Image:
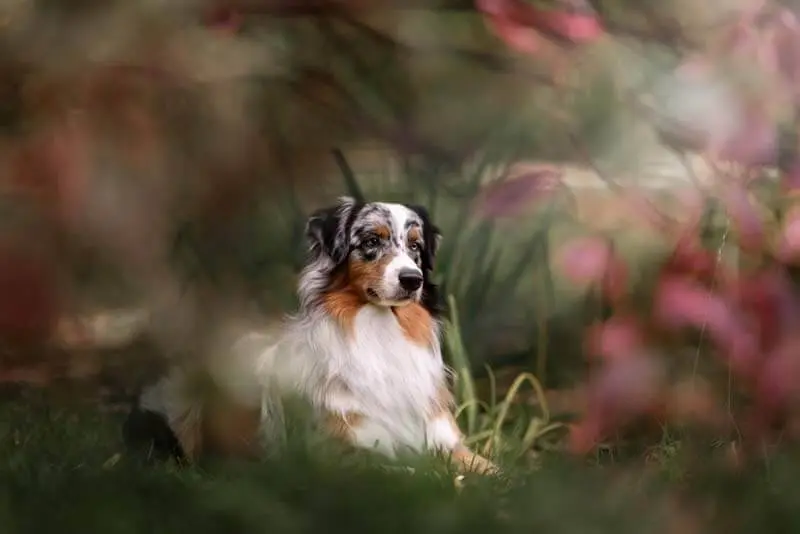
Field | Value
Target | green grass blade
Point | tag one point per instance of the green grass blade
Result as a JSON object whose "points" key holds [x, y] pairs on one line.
{"points": [[465, 390]]}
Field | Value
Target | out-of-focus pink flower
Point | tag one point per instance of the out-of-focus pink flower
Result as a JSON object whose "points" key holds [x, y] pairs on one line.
{"points": [[619, 393], [752, 142], [618, 338], [585, 260], [786, 46], [512, 197], [689, 258], [522, 25], [591, 260], [790, 177], [789, 243], [778, 384], [745, 216], [766, 297], [681, 303]]}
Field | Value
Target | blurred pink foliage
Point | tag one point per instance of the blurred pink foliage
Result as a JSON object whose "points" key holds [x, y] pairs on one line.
{"points": [[746, 317], [518, 194], [524, 26]]}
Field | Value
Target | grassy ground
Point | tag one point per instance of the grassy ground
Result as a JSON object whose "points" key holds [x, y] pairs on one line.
{"points": [[64, 469]]}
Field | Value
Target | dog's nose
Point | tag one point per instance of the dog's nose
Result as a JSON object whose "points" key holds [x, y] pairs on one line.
{"points": [[410, 279]]}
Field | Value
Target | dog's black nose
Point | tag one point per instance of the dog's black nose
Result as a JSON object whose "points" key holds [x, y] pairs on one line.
{"points": [[410, 279]]}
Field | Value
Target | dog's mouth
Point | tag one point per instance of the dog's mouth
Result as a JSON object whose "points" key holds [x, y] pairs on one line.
{"points": [[400, 299]]}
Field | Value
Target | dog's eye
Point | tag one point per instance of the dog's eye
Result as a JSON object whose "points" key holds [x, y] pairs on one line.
{"points": [[372, 242], [414, 246]]}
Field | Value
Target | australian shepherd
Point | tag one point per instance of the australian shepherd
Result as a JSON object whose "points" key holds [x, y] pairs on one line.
{"points": [[363, 350]]}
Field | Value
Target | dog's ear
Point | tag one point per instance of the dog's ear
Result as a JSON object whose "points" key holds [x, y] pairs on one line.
{"points": [[326, 230], [431, 235]]}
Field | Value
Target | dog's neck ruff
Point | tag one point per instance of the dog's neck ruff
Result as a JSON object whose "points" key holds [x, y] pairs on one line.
{"points": [[370, 367]]}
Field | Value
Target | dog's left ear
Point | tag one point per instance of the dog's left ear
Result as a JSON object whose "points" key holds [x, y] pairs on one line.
{"points": [[430, 234], [326, 230]]}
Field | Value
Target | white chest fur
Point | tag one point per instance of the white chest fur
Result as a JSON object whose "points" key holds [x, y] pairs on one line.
{"points": [[372, 370]]}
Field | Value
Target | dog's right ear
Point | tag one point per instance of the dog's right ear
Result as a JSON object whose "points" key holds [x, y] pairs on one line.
{"points": [[326, 230]]}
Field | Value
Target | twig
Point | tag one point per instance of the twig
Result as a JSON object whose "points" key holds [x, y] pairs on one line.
{"points": [[349, 176]]}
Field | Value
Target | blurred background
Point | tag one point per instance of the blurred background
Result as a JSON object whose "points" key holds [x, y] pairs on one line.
{"points": [[614, 180]]}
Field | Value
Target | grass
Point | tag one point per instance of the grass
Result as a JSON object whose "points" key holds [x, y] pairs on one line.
{"points": [[65, 469]]}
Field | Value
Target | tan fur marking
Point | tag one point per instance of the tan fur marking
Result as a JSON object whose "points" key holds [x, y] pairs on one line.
{"points": [[363, 275], [341, 426], [343, 305], [466, 461], [414, 234], [348, 292], [382, 231], [188, 428], [230, 429], [464, 458], [416, 323]]}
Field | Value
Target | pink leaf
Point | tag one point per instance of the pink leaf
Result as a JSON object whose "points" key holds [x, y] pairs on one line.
{"points": [[591, 260], [519, 38], [790, 177], [511, 197], [690, 258], [585, 260], [618, 338], [681, 303], [752, 142], [619, 393], [786, 43], [745, 217], [778, 384], [789, 244], [766, 297]]}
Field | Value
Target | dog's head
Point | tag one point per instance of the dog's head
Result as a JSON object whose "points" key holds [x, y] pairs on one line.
{"points": [[385, 252]]}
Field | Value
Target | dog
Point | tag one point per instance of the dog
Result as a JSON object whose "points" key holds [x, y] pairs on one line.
{"points": [[363, 350]]}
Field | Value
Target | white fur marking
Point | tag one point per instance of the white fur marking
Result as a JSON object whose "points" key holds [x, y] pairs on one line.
{"points": [[376, 373], [442, 435]]}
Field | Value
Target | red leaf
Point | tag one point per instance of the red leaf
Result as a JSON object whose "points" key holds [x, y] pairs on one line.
{"points": [[29, 303], [511, 197], [572, 21]]}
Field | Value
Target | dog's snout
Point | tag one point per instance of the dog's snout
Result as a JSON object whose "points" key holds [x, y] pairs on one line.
{"points": [[410, 279]]}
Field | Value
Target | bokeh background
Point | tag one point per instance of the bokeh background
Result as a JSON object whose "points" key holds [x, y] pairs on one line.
{"points": [[614, 180]]}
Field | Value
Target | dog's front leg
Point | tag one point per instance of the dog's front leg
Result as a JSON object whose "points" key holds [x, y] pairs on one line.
{"points": [[359, 431], [444, 436]]}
